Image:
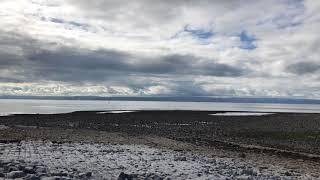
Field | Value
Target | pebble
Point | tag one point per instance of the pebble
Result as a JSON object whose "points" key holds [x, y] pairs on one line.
{"points": [[50, 178], [155, 177], [124, 176], [89, 174], [40, 169], [85, 175], [134, 162], [32, 177], [183, 158], [15, 174], [249, 171], [242, 155], [61, 173], [29, 170], [13, 168], [287, 173]]}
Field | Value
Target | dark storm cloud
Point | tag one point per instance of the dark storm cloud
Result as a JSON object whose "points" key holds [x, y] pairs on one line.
{"points": [[29, 60], [70, 65], [302, 68]]}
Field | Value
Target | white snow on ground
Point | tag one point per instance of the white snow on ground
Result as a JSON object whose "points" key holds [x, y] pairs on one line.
{"points": [[108, 161], [114, 112], [240, 114]]}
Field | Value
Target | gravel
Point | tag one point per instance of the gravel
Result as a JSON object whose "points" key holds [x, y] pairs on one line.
{"points": [[47, 160]]}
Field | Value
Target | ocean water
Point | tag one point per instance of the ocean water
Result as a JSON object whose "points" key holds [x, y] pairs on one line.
{"points": [[8, 106]]}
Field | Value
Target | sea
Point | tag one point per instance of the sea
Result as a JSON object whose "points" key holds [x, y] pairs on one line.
{"points": [[21, 106]]}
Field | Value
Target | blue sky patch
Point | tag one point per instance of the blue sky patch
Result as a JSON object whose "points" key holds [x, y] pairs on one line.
{"points": [[247, 41], [198, 33], [61, 21], [57, 20]]}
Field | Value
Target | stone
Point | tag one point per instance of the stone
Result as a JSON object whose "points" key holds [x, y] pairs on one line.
{"points": [[249, 171], [29, 170], [89, 174], [182, 158], [64, 178], [153, 177], [243, 177], [61, 173], [13, 168], [287, 173], [41, 169], [263, 167], [21, 161], [42, 175], [85, 175], [156, 177], [5, 162], [32, 177], [50, 178], [82, 175], [16, 174], [20, 167], [124, 176], [53, 178], [242, 155]]}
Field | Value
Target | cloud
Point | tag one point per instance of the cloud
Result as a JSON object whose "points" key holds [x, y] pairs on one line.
{"points": [[302, 68], [77, 65], [181, 47]]}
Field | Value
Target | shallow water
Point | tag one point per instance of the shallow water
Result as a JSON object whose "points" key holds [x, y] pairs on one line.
{"points": [[8, 106]]}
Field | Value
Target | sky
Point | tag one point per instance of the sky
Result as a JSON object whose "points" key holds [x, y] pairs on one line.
{"points": [[238, 48]]}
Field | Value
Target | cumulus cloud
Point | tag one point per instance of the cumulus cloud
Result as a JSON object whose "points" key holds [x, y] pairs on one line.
{"points": [[181, 47]]}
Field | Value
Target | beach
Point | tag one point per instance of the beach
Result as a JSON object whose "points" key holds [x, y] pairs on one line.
{"points": [[161, 144]]}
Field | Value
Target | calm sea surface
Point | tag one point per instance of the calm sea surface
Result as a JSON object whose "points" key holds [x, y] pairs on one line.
{"points": [[63, 106]]}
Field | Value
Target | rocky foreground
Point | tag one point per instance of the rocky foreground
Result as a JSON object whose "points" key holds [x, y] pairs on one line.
{"points": [[47, 160], [287, 131], [160, 145]]}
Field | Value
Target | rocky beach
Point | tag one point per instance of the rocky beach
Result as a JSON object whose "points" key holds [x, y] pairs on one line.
{"points": [[160, 145]]}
